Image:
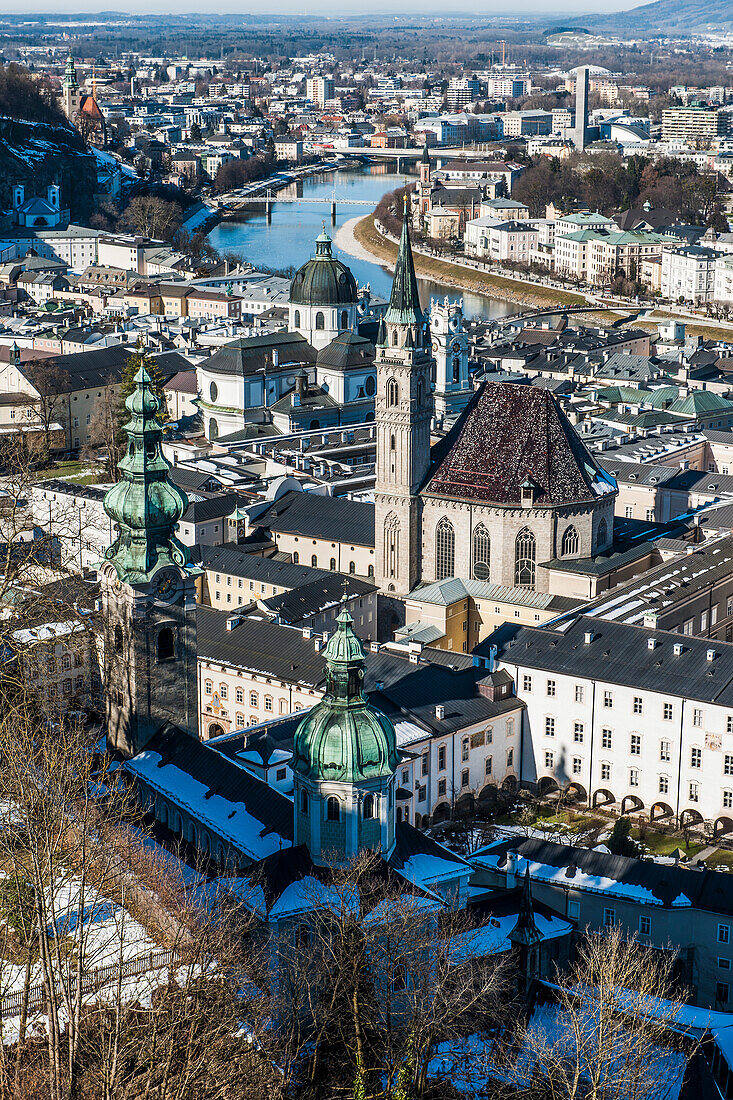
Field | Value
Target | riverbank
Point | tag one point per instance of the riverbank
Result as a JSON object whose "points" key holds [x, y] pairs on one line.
{"points": [[359, 237]]}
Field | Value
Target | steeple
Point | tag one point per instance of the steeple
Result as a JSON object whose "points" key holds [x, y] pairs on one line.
{"points": [[526, 932], [344, 760], [404, 303], [70, 82], [144, 504]]}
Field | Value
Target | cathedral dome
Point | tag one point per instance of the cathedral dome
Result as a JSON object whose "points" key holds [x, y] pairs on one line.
{"points": [[344, 738], [323, 280]]}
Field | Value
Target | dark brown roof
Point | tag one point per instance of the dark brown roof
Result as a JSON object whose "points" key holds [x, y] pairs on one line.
{"points": [[507, 434]]}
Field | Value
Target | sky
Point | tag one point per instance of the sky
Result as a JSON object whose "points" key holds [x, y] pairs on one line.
{"points": [[323, 7]]}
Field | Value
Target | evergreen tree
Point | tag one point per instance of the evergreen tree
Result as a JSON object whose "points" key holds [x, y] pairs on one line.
{"points": [[620, 842]]}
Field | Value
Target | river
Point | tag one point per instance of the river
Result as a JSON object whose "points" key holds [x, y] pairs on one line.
{"points": [[288, 240]]}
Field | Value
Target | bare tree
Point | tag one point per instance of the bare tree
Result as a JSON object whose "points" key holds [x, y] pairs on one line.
{"points": [[51, 382], [611, 1032]]}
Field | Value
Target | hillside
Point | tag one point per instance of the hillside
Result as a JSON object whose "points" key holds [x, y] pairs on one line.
{"points": [[39, 147], [670, 16], [37, 154]]}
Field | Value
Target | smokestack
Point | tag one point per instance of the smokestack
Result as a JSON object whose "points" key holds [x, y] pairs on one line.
{"points": [[582, 82]]}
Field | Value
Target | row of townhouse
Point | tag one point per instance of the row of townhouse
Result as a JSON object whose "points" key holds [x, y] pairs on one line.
{"points": [[631, 718], [458, 729]]}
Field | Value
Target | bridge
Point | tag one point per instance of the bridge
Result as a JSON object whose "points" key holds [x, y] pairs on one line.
{"points": [[233, 202]]}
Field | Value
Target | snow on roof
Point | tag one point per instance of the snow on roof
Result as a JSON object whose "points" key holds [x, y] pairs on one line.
{"points": [[579, 880], [46, 631], [407, 732], [427, 870], [229, 820]]}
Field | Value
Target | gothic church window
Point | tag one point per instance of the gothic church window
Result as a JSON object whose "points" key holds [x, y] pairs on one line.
{"points": [[445, 549], [481, 553], [166, 646], [393, 392], [119, 640], [525, 552], [570, 541], [391, 545], [602, 535]]}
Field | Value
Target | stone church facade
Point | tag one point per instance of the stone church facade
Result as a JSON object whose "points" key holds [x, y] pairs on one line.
{"points": [[509, 491]]}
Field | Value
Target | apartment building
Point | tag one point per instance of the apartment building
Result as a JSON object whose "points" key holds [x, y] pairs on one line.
{"points": [[723, 280], [695, 126], [634, 719], [500, 241], [688, 273]]}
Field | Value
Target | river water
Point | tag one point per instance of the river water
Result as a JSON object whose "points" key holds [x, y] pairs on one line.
{"points": [[288, 240]]}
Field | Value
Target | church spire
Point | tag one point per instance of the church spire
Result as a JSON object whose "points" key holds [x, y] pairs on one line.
{"points": [[144, 504], [404, 303], [525, 932]]}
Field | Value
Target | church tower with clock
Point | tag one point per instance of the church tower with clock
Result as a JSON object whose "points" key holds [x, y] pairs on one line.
{"points": [[148, 591]]}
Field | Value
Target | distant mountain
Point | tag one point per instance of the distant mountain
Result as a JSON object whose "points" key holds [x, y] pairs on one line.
{"points": [[670, 16]]}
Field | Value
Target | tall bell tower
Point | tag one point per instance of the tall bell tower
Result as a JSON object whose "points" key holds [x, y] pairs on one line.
{"points": [[403, 408], [148, 591], [450, 352]]}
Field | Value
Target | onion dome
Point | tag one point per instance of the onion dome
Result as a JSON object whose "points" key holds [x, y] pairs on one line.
{"points": [[323, 280], [343, 737], [144, 505]]}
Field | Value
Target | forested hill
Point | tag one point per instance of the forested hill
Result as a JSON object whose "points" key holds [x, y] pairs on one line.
{"points": [[39, 147], [680, 16]]}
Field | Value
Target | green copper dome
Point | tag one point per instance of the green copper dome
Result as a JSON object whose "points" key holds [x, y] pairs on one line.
{"points": [[144, 505], [344, 737], [323, 280]]}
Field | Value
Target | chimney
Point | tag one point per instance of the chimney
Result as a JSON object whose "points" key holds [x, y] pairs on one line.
{"points": [[588, 637], [651, 643], [379, 685], [711, 654], [440, 712], [232, 621], [677, 649]]}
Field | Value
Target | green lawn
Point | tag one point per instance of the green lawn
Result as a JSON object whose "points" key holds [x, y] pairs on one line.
{"points": [[75, 470], [659, 844], [721, 860]]}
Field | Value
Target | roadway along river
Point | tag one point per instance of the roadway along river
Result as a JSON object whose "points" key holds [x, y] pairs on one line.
{"points": [[288, 240]]}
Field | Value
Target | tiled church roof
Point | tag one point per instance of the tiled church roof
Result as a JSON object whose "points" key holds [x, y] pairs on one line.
{"points": [[507, 434]]}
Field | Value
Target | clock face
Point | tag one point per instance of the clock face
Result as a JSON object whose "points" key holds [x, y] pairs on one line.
{"points": [[166, 585]]}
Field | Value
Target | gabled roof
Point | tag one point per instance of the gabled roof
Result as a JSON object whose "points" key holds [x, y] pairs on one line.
{"points": [[506, 434], [247, 356], [337, 519], [346, 350]]}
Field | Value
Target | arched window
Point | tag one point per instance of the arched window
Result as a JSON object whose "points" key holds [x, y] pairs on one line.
{"points": [[445, 549], [333, 812], [602, 534], [370, 572], [525, 550], [394, 338], [213, 429], [344, 319], [304, 802], [393, 392], [420, 391], [332, 564], [391, 545], [481, 553], [570, 541], [369, 807], [296, 558], [456, 369], [352, 568], [320, 320], [314, 561], [119, 639], [208, 687], [296, 318], [166, 645]]}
